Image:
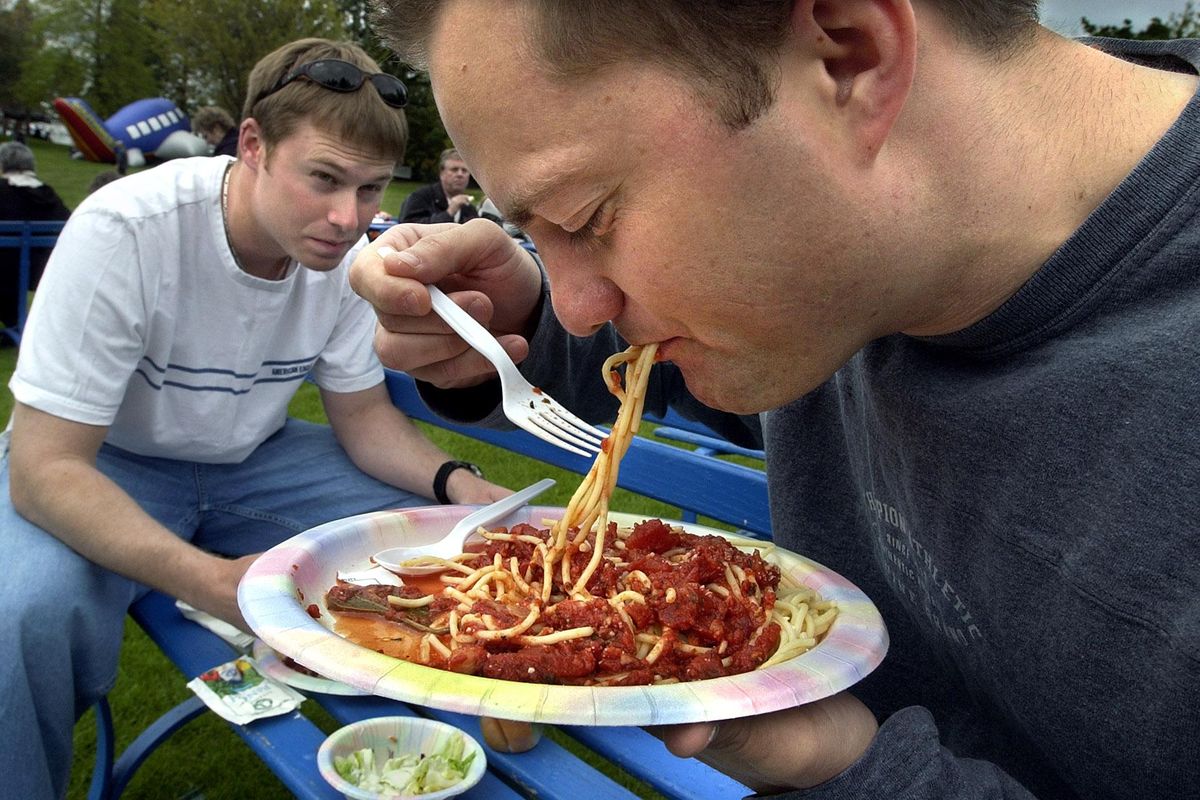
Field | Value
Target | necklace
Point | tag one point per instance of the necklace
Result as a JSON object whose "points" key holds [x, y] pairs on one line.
{"points": [[282, 269], [225, 216]]}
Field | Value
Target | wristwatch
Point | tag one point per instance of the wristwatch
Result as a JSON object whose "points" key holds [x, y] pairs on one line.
{"points": [[443, 475]]}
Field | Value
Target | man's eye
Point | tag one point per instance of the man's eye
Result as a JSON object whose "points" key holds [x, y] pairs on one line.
{"points": [[590, 231]]}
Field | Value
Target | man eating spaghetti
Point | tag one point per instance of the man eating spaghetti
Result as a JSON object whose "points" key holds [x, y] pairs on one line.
{"points": [[948, 257]]}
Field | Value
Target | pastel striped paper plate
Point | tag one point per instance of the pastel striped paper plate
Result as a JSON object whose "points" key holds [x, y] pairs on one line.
{"points": [[282, 599]]}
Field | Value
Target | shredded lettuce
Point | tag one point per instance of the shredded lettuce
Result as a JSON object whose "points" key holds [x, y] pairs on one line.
{"points": [[408, 773]]}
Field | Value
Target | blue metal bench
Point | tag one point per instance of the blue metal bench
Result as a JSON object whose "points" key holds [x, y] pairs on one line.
{"points": [[731, 493], [26, 236]]}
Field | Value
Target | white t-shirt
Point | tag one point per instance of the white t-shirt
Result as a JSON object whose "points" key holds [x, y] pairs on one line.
{"points": [[144, 323]]}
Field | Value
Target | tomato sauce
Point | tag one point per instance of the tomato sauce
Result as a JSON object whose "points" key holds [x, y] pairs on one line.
{"points": [[692, 624]]}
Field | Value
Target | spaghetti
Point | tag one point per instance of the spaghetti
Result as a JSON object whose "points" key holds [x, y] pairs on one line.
{"points": [[585, 602]]}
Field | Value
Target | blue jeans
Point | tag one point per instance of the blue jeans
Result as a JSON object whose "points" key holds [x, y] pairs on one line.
{"points": [[62, 617]]}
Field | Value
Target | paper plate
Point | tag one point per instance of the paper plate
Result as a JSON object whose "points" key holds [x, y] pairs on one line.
{"points": [[273, 666], [282, 599]]}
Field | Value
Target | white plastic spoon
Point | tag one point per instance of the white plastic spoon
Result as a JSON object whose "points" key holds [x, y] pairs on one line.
{"points": [[451, 544]]}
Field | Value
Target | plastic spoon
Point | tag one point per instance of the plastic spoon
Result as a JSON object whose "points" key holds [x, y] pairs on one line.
{"points": [[451, 544]]}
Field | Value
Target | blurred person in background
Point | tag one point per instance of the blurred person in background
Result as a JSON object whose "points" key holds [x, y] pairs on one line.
{"points": [[446, 199], [23, 197], [216, 126]]}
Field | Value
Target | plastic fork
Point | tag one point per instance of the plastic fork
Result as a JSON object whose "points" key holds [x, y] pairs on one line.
{"points": [[396, 559], [388, 564], [526, 407]]}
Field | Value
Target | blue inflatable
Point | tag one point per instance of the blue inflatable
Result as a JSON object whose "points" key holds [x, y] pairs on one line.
{"points": [[153, 127]]}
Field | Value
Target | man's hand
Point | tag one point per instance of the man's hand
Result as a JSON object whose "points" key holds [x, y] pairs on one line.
{"points": [[458, 202], [216, 594], [507, 736], [482, 269], [465, 487], [792, 749]]}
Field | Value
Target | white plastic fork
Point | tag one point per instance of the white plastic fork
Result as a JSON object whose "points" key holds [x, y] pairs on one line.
{"points": [[526, 407], [395, 559]]}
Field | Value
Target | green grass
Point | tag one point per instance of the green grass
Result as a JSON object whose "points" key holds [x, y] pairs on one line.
{"points": [[205, 758]]}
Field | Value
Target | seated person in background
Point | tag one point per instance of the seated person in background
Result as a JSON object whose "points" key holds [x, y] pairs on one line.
{"points": [[216, 126], [447, 199], [23, 196], [103, 179], [180, 313]]}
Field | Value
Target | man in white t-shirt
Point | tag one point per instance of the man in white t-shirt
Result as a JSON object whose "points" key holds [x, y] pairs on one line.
{"points": [[180, 311]]}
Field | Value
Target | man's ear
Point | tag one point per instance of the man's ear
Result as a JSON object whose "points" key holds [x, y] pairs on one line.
{"points": [[252, 150], [869, 52]]}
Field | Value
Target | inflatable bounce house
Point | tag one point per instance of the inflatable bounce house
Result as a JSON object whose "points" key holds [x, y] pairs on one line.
{"points": [[150, 128]]}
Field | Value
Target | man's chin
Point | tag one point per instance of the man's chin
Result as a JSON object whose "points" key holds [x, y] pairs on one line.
{"points": [[719, 393], [323, 258]]}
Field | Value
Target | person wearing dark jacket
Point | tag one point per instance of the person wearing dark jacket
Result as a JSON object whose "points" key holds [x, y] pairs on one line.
{"points": [[445, 200], [216, 126], [23, 196]]}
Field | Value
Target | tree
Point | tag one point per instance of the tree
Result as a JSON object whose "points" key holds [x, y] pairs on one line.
{"points": [[52, 53], [213, 44], [426, 135], [125, 57], [17, 40], [1184, 24]]}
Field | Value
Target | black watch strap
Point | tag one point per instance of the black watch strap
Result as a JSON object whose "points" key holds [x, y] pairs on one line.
{"points": [[443, 475]]}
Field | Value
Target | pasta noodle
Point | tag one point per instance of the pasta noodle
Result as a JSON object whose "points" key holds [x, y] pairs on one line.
{"points": [[585, 602]]}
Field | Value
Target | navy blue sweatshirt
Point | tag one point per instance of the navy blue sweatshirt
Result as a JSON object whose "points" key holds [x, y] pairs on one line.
{"points": [[1021, 499]]}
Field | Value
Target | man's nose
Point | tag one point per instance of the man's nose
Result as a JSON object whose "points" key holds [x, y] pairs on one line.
{"points": [[343, 210], [583, 300]]}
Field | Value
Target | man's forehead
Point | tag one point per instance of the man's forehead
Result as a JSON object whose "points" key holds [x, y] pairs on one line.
{"points": [[346, 162]]}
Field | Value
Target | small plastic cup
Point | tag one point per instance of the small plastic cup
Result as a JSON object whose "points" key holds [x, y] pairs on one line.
{"points": [[393, 736]]}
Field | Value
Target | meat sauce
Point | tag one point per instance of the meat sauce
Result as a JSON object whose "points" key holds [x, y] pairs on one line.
{"points": [[704, 633]]}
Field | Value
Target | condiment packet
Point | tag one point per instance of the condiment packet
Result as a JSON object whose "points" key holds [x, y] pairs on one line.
{"points": [[238, 692], [238, 639]]}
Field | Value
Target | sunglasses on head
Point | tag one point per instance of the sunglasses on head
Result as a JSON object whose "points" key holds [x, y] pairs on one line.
{"points": [[342, 76]]}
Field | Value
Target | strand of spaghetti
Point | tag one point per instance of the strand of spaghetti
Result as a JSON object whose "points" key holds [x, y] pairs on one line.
{"points": [[407, 602], [515, 630], [612, 377], [624, 615], [548, 557], [512, 537], [558, 636], [656, 651], [437, 561], [462, 597], [607, 464], [571, 517], [466, 583], [514, 569], [436, 644]]}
